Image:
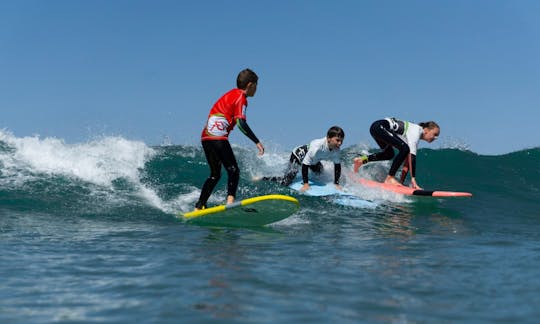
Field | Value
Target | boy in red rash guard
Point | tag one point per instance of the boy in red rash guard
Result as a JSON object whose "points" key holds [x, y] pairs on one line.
{"points": [[227, 112]]}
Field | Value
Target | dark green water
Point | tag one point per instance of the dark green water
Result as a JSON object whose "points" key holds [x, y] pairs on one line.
{"points": [[88, 233]]}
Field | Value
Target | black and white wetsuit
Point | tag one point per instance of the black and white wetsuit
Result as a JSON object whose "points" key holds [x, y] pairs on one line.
{"points": [[310, 157], [403, 135]]}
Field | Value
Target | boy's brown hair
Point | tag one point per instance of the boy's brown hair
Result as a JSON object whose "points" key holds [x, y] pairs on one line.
{"points": [[245, 77], [335, 131]]}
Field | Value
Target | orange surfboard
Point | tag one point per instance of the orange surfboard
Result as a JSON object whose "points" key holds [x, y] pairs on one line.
{"points": [[401, 189]]}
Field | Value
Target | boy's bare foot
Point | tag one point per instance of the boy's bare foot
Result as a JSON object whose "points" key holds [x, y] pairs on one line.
{"points": [[391, 180], [358, 162]]}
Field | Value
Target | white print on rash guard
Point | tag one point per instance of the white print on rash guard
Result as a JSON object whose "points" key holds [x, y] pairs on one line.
{"points": [[407, 131], [217, 126]]}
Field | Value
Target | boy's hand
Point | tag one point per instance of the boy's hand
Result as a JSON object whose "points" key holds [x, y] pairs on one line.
{"points": [[261, 148]]}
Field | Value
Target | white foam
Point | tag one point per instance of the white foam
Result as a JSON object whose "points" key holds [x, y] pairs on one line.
{"points": [[184, 202], [293, 220], [454, 143], [272, 163], [372, 171], [99, 162]]}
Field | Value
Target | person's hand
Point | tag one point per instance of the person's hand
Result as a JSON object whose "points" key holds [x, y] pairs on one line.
{"points": [[304, 187], [261, 148]]}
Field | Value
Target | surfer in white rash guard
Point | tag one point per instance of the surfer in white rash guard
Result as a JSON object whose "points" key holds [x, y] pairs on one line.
{"points": [[404, 136], [310, 157]]}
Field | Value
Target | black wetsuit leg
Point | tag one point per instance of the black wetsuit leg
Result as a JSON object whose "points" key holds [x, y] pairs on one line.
{"points": [[295, 161], [291, 172], [387, 140], [219, 153]]}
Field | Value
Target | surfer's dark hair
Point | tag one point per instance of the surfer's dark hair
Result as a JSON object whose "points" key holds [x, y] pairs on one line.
{"points": [[335, 131], [245, 77], [429, 125]]}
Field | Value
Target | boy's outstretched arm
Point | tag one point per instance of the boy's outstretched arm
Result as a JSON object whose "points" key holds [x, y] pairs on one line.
{"points": [[244, 128]]}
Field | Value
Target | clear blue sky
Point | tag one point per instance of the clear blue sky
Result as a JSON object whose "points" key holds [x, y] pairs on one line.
{"points": [[147, 70]]}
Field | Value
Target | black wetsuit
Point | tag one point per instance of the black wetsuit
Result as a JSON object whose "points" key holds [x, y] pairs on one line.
{"points": [[387, 138], [218, 153]]}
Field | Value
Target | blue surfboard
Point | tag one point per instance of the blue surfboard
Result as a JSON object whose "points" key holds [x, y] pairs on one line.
{"points": [[339, 197]]}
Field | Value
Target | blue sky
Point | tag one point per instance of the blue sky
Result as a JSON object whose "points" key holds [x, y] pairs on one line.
{"points": [[150, 70]]}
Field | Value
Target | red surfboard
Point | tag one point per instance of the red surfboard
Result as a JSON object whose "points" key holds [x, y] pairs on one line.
{"points": [[410, 191]]}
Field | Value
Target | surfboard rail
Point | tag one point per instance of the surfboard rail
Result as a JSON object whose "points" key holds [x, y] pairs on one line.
{"points": [[401, 189], [255, 211]]}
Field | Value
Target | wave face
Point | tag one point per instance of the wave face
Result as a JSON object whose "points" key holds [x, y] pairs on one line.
{"points": [[112, 172]]}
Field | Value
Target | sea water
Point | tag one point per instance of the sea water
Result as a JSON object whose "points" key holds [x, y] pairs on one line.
{"points": [[89, 233]]}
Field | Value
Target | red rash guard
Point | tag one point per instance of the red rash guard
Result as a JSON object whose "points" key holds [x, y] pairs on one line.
{"points": [[223, 115]]}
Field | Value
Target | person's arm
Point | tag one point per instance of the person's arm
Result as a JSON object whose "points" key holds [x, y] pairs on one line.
{"points": [[337, 174], [305, 179], [405, 169], [413, 172], [244, 128]]}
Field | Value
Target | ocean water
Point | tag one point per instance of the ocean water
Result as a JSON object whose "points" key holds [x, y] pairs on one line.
{"points": [[89, 233]]}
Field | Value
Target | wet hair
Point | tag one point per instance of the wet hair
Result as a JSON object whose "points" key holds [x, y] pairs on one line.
{"points": [[429, 125], [335, 131], [245, 77]]}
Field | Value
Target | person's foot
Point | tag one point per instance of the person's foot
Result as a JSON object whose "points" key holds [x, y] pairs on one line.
{"points": [[393, 181], [358, 162]]}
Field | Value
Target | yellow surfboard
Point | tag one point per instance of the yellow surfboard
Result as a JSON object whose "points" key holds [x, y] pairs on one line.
{"points": [[251, 212]]}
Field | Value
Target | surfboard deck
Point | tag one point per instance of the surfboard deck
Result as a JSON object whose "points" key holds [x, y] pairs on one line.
{"points": [[251, 212], [404, 190], [317, 189]]}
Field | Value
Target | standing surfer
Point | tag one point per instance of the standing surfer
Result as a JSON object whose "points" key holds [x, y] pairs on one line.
{"points": [[227, 112]]}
